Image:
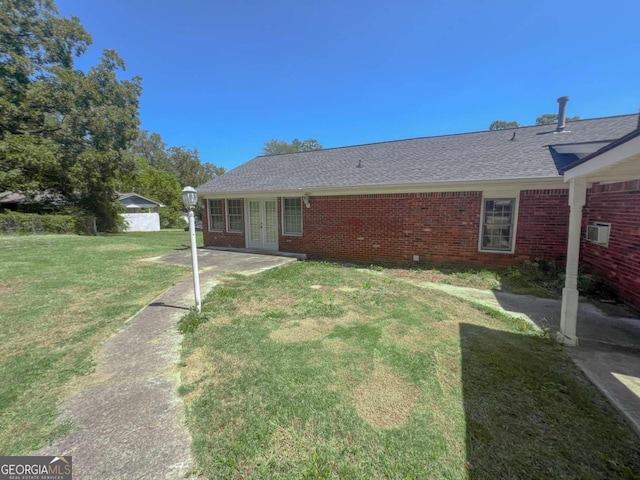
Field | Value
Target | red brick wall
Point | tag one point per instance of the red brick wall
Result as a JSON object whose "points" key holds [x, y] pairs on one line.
{"points": [[444, 228], [543, 224], [618, 264], [224, 238], [439, 227]]}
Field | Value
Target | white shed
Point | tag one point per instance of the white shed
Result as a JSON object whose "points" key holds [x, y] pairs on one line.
{"points": [[142, 213]]}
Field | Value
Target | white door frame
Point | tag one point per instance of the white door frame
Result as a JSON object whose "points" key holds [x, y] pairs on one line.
{"points": [[263, 244]]}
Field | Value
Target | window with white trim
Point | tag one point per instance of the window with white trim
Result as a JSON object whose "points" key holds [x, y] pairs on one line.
{"points": [[497, 227], [216, 216], [292, 216], [235, 222]]}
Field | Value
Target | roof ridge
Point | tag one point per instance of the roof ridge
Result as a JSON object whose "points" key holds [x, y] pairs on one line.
{"points": [[447, 135]]}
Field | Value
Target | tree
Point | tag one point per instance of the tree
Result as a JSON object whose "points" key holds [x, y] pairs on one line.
{"points": [[189, 168], [550, 118], [62, 130], [158, 185], [544, 119], [503, 125], [275, 146], [179, 163], [153, 149]]}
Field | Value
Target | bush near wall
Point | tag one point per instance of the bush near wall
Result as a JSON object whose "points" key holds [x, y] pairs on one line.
{"points": [[33, 223]]}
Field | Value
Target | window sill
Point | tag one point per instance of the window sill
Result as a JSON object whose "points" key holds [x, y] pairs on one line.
{"points": [[497, 251]]}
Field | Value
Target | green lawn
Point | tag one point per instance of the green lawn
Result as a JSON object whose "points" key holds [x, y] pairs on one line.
{"points": [[60, 298], [319, 371]]}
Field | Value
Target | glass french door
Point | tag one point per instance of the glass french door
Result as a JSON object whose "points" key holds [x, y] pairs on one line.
{"points": [[263, 224]]}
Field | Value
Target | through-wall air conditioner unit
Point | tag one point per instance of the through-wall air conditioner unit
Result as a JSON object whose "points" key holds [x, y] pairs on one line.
{"points": [[599, 233]]}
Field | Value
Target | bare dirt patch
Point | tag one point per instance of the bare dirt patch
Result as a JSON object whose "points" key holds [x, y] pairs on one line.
{"points": [[385, 399]]}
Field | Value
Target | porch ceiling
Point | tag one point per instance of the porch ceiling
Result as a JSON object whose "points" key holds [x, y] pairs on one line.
{"points": [[623, 171], [619, 161]]}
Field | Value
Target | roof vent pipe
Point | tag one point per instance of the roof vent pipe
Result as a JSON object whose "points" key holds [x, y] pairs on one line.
{"points": [[562, 113]]}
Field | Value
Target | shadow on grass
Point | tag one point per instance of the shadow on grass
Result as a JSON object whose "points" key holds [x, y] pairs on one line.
{"points": [[530, 413]]}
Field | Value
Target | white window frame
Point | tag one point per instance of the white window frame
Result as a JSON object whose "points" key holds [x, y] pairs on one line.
{"points": [[211, 215], [284, 232], [237, 214], [485, 198]]}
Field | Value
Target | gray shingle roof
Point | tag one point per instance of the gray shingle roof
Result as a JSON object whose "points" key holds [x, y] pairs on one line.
{"points": [[132, 200], [478, 156]]}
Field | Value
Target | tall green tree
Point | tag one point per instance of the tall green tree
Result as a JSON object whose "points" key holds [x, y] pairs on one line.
{"points": [[153, 149], [189, 168], [275, 146], [62, 130]]}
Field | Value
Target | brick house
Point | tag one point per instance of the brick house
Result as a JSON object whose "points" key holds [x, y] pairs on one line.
{"points": [[490, 198]]}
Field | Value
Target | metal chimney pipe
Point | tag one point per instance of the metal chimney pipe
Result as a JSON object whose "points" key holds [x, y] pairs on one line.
{"points": [[562, 113]]}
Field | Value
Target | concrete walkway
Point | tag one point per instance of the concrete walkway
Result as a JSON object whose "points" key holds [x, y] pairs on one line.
{"points": [[130, 420], [608, 350]]}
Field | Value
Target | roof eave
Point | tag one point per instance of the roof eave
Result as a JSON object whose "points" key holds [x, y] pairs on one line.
{"points": [[453, 186]]}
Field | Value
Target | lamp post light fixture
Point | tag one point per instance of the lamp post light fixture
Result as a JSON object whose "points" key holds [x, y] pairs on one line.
{"points": [[190, 199]]}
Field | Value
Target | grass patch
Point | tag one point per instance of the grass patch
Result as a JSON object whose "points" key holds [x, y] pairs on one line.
{"points": [[62, 296], [540, 278], [314, 370]]}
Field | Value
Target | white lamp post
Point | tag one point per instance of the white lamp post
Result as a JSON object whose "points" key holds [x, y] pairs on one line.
{"points": [[190, 198]]}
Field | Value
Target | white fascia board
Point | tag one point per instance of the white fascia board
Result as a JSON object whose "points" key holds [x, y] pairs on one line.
{"points": [[506, 185], [606, 160], [580, 148]]}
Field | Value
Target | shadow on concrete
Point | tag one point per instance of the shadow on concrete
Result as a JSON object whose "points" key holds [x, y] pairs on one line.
{"points": [[593, 324], [516, 406], [162, 304], [615, 371]]}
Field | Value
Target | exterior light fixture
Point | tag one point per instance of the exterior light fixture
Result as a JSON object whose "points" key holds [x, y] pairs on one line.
{"points": [[305, 200], [190, 199]]}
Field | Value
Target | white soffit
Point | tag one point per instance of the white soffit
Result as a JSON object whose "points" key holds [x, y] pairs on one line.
{"points": [[621, 163]]}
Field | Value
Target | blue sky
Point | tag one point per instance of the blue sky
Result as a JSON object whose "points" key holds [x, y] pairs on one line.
{"points": [[226, 76]]}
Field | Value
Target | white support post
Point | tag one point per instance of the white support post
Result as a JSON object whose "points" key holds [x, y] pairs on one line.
{"points": [[570, 296], [194, 260]]}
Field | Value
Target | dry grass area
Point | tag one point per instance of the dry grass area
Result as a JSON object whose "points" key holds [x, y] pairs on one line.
{"points": [[462, 277], [385, 399], [62, 296], [315, 370]]}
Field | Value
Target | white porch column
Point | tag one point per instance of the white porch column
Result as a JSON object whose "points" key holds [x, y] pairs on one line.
{"points": [[577, 197]]}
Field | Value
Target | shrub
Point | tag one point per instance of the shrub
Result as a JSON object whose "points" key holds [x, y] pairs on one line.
{"points": [[535, 277], [33, 223], [544, 275]]}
